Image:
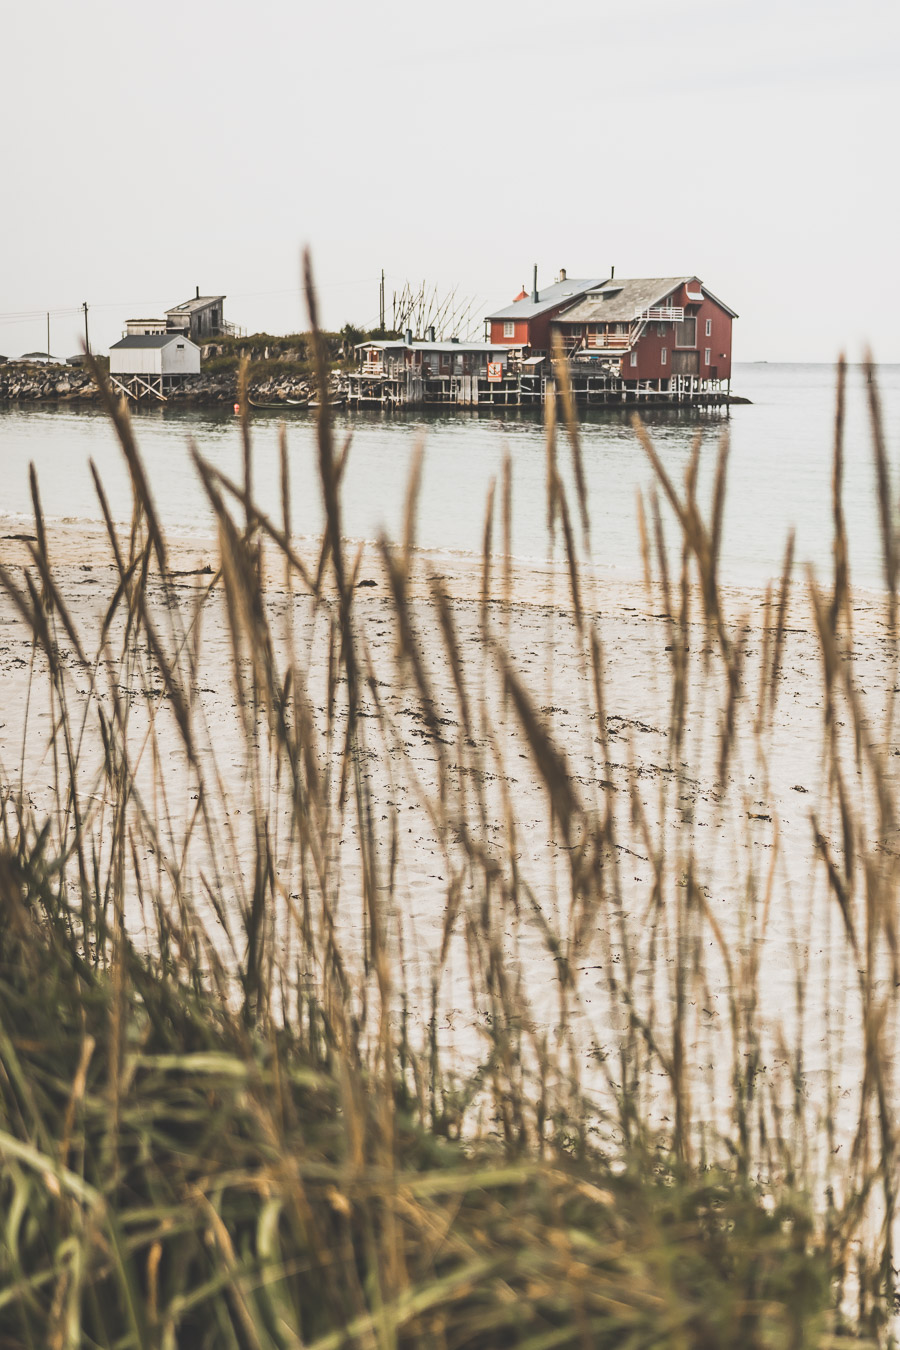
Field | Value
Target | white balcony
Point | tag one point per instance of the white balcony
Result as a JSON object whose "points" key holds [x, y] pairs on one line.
{"points": [[609, 342], [660, 314]]}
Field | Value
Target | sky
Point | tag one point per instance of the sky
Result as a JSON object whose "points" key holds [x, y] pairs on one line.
{"points": [[151, 149]]}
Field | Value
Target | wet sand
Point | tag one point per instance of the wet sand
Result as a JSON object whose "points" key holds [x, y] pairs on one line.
{"points": [[748, 838]]}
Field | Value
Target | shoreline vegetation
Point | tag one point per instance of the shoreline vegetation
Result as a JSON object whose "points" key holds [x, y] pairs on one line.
{"points": [[373, 973]]}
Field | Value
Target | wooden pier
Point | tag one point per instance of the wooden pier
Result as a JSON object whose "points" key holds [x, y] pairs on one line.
{"points": [[524, 388]]}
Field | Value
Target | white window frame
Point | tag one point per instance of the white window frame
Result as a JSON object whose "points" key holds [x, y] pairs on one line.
{"points": [[509, 328], [707, 353], [634, 358], [709, 327], [663, 356]]}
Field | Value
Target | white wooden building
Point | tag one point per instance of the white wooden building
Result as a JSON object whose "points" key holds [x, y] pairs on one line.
{"points": [[146, 365], [143, 327]]}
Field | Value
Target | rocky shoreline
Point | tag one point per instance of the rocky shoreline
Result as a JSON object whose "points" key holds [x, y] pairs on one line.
{"points": [[20, 383], [41, 384]]}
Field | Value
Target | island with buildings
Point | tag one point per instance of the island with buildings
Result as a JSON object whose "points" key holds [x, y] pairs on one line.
{"points": [[613, 340]]}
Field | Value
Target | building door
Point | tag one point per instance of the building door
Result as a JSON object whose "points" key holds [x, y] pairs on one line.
{"points": [[685, 363]]}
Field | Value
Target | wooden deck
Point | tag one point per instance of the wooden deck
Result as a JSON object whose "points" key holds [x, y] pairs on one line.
{"points": [[410, 389]]}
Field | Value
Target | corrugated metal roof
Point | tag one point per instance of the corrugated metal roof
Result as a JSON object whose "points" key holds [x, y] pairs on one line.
{"points": [[548, 297], [149, 340]]}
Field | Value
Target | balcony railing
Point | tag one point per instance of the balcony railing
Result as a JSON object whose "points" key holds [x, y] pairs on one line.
{"points": [[660, 314], [609, 342]]}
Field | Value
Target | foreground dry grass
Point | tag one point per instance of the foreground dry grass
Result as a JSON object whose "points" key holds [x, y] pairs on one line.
{"points": [[598, 1052]]}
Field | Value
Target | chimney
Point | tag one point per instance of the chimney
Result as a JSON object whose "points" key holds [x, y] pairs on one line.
{"points": [[409, 337], [197, 296], [534, 292], [612, 273], [562, 274], [429, 334]]}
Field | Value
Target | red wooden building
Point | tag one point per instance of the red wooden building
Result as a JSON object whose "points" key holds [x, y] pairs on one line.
{"points": [[649, 329], [526, 322]]}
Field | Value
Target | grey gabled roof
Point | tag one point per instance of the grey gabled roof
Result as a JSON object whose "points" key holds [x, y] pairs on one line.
{"points": [[619, 300], [196, 302], [149, 340], [548, 298]]}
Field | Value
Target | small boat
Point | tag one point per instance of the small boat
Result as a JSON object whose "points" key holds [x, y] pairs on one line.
{"points": [[337, 402], [277, 407]]}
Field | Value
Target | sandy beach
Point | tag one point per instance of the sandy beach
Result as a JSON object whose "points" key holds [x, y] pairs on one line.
{"points": [[445, 792]]}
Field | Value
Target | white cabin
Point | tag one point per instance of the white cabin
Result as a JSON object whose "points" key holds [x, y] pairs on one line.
{"points": [[148, 365], [165, 354]]}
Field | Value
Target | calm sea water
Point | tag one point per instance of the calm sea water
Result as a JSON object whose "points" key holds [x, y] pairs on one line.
{"points": [[780, 470]]}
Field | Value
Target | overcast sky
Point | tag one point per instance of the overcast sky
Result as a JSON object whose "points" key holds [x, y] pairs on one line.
{"points": [[151, 148]]}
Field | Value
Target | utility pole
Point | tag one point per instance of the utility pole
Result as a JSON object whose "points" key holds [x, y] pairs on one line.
{"points": [[87, 340], [381, 302], [48, 332]]}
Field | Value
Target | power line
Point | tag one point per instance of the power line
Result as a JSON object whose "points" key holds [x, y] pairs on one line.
{"points": [[61, 311]]}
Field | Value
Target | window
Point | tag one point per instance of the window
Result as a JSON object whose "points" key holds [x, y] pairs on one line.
{"points": [[660, 330], [707, 352], [634, 358], [686, 333], [180, 346], [709, 327], [663, 356], [509, 329]]}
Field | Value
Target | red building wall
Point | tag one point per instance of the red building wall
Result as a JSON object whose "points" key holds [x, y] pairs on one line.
{"points": [[533, 333], [649, 349], [539, 329], [519, 338]]}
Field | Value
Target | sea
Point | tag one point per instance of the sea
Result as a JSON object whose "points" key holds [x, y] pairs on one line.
{"points": [[779, 477]]}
